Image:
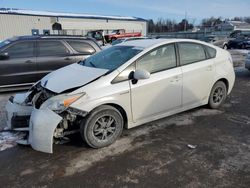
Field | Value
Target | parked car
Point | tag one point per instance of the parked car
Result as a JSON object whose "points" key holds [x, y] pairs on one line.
{"points": [[239, 43], [26, 59], [120, 33], [126, 85], [223, 41], [118, 41], [247, 62]]}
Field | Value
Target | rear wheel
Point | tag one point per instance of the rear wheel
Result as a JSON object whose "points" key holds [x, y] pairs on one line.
{"points": [[102, 127], [218, 95]]}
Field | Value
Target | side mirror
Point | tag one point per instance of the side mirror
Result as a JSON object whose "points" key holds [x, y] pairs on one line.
{"points": [[4, 56], [140, 74]]}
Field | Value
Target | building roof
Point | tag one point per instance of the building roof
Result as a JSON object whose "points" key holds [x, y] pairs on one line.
{"points": [[67, 15], [238, 23]]}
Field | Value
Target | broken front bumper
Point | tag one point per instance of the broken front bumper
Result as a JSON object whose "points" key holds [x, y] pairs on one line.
{"points": [[17, 115], [40, 124], [43, 123]]}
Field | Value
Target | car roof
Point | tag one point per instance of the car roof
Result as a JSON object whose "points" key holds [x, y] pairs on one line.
{"points": [[147, 43], [38, 37]]}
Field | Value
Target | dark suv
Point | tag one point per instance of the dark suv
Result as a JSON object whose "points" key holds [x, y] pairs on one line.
{"points": [[26, 59]]}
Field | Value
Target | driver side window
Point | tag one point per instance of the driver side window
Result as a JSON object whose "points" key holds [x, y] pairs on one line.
{"points": [[160, 59], [20, 50]]}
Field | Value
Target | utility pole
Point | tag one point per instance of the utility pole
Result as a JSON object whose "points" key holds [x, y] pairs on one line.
{"points": [[185, 24]]}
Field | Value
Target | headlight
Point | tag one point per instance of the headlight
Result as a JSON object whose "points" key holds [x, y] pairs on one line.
{"points": [[61, 102]]}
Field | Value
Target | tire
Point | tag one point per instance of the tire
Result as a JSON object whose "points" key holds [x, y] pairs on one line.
{"points": [[218, 95], [96, 129]]}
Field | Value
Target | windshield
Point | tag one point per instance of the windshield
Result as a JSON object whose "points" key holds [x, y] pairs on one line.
{"points": [[4, 43], [111, 58]]}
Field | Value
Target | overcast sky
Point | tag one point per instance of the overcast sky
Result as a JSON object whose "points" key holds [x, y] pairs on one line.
{"points": [[173, 9]]}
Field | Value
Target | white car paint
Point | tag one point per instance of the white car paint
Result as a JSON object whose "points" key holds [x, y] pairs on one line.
{"points": [[164, 93], [71, 76]]}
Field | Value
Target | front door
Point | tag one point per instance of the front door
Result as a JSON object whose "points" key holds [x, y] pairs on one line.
{"points": [[19, 67], [160, 93]]}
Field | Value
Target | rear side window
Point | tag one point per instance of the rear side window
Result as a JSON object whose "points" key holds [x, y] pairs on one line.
{"points": [[21, 50], [211, 52], [191, 53], [82, 47], [52, 48], [160, 59]]}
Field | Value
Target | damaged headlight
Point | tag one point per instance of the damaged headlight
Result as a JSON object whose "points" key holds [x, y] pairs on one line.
{"points": [[61, 102]]}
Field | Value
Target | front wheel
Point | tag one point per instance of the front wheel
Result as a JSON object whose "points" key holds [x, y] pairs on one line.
{"points": [[218, 95], [102, 127]]}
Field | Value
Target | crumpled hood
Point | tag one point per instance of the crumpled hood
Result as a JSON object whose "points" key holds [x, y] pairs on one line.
{"points": [[71, 76]]}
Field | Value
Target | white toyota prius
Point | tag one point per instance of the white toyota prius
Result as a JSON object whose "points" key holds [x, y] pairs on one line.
{"points": [[121, 87]]}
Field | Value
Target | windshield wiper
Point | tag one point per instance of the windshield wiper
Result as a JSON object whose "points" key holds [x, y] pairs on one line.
{"points": [[92, 64]]}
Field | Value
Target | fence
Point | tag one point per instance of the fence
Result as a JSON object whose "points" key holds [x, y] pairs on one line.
{"points": [[191, 35]]}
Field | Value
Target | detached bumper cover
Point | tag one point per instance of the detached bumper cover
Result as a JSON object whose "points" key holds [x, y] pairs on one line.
{"points": [[43, 123]]}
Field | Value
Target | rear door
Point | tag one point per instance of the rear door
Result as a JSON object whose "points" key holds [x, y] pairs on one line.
{"points": [[20, 66], [52, 55], [198, 73]]}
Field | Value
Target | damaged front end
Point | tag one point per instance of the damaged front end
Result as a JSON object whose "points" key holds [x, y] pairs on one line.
{"points": [[46, 116]]}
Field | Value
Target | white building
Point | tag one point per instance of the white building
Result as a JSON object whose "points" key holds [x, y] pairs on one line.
{"points": [[233, 26], [15, 22]]}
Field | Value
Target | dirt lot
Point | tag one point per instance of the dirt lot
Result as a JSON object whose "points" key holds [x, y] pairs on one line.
{"points": [[152, 155]]}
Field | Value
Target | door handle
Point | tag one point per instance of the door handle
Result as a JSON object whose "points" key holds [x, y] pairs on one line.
{"points": [[28, 61]]}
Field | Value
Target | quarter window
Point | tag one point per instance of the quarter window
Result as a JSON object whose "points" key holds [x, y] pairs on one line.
{"points": [[82, 47], [125, 74], [190, 53], [162, 58], [211, 52], [51, 48], [21, 50]]}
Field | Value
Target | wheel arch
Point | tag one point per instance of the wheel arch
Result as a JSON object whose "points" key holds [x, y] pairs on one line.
{"points": [[119, 108], [225, 81]]}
